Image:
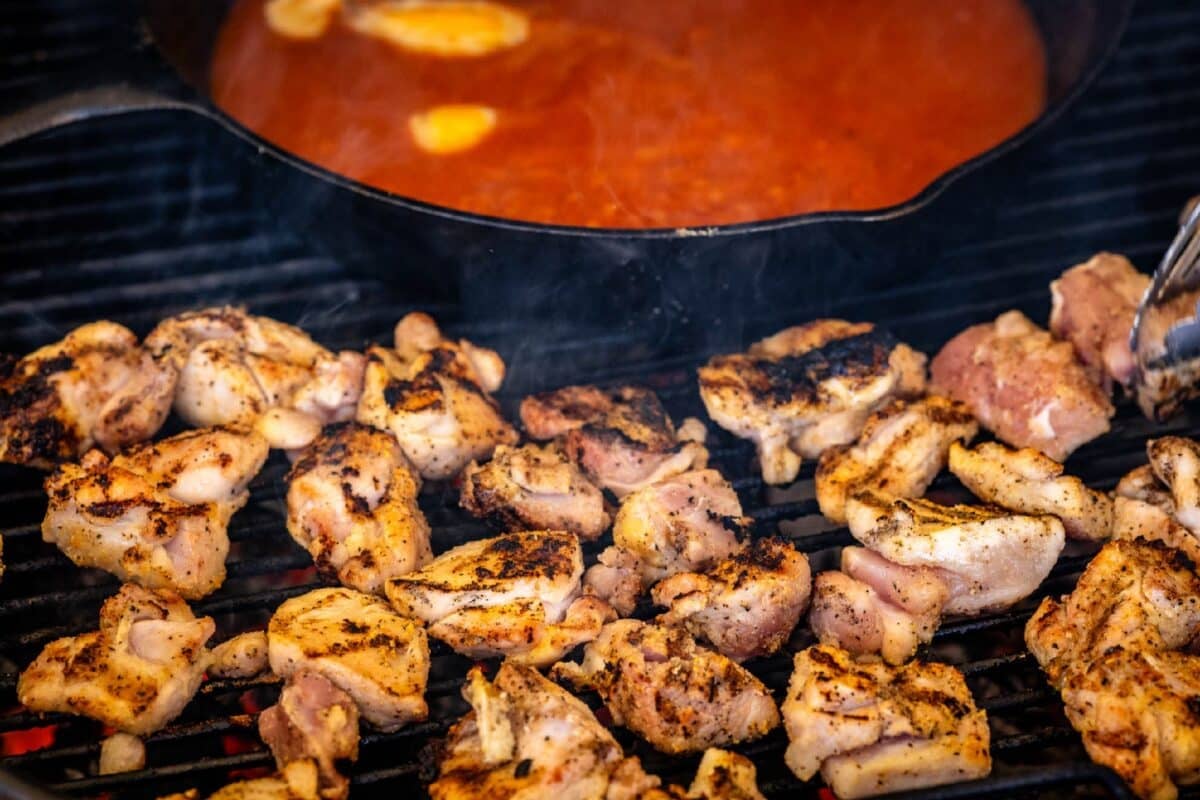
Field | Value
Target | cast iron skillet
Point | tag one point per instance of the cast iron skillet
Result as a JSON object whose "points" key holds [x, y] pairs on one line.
{"points": [[705, 284]]}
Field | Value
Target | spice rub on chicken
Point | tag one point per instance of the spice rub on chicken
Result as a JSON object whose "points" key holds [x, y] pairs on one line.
{"points": [[313, 720], [516, 595], [156, 515], [623, 439], [135, 674], [680, 697], [1023, 385], [873, 729], [901, 449], [433, 394], [808, 388], [97, 387], [352, 503], [1161, 500]]}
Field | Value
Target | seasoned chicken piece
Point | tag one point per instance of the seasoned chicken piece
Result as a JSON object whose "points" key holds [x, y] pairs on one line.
{"points": [[680, 697], [1137, 712], [299, 780], [1093, 305], [747, 605], [807, 389], [243, 656], [376, 656], [1143, 509], [135, 674], [1176, 462], [1023, 385], [313, 720], [158, 514], [989, 558], [1162, 386], [95, 387], [121, 752], [1028, 482], [873, 729], [1136, 594], [902, 448], [723, 775], [516, 595], [551, 414], [532, 487], [352, 503]]}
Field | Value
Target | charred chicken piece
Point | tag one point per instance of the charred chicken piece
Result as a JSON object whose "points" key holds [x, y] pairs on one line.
{"points": [[723, 775], [1023, 385], [95, 387], [433, 394], [352, 503], [243, 656], [807, 389], [534, 487], [747, 605], [900, 451], [1031, 483], [313, 720], [516, 595], [1135, 594], [1093, 305], [156, 515], [135, 674], [1144, 509], [873, 729], [354, 640], [680, 697]]}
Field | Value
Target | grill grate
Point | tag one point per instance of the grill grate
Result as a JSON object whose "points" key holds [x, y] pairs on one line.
{"points": [[137, 218]]}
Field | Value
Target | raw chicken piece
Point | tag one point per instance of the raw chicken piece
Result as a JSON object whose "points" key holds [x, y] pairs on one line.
{"points": [[1176, 462], [156, 515], [873, 729], [121, 752], [901, 450], [243, 656], [1143, 509], [1028, 482], [352, 503], [376, 656], [516, 596], [1093, 305], [1022, 385], [807, 389], [1136, 594], [1137, 712], [747, 605], [989, 558], [96, 387], [135, 674], [532, 487], [723, 775], [313, 720], [680, 697]]}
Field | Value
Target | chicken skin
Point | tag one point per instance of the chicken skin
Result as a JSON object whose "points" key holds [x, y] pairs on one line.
{"points": [[352, 503], [747, 605], [680, 697], [313, 720], [135, 674], [1144, 509], [807, 389], [97, 387], [516, 596], [1030, 483], [1023, 385], [156, 515], [358, 644], [902, 448], [873, 729], [534, 488]]}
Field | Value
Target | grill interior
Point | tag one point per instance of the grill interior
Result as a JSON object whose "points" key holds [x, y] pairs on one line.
{"points": [[138, 218]]}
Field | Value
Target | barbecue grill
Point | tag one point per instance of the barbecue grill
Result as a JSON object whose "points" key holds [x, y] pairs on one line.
{"points": [[134, 219]]}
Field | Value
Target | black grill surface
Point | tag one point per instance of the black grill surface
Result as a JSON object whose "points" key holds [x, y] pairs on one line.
{"points": [[138, 218]]}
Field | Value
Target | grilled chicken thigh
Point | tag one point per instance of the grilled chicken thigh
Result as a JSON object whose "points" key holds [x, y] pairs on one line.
{"points": [[95, 387], [747, 605], [681, 697], [1144, 509], [516, 595], [352, 503], [313, 720], [807, 389], [354, 640], [873, 729], [534, 487], [135, 674], [299, 780], [723, 775], [1162, 386], [243, 656], [156, 515], [902, 448], [1023, 385], [1176, 462], [1030, 483]]}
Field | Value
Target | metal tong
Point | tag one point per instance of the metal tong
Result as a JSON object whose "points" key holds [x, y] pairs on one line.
{"points": [[1178, 272]]}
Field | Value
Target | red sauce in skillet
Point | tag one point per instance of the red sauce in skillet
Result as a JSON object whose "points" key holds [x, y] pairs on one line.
{"points": [[658, 113]]}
